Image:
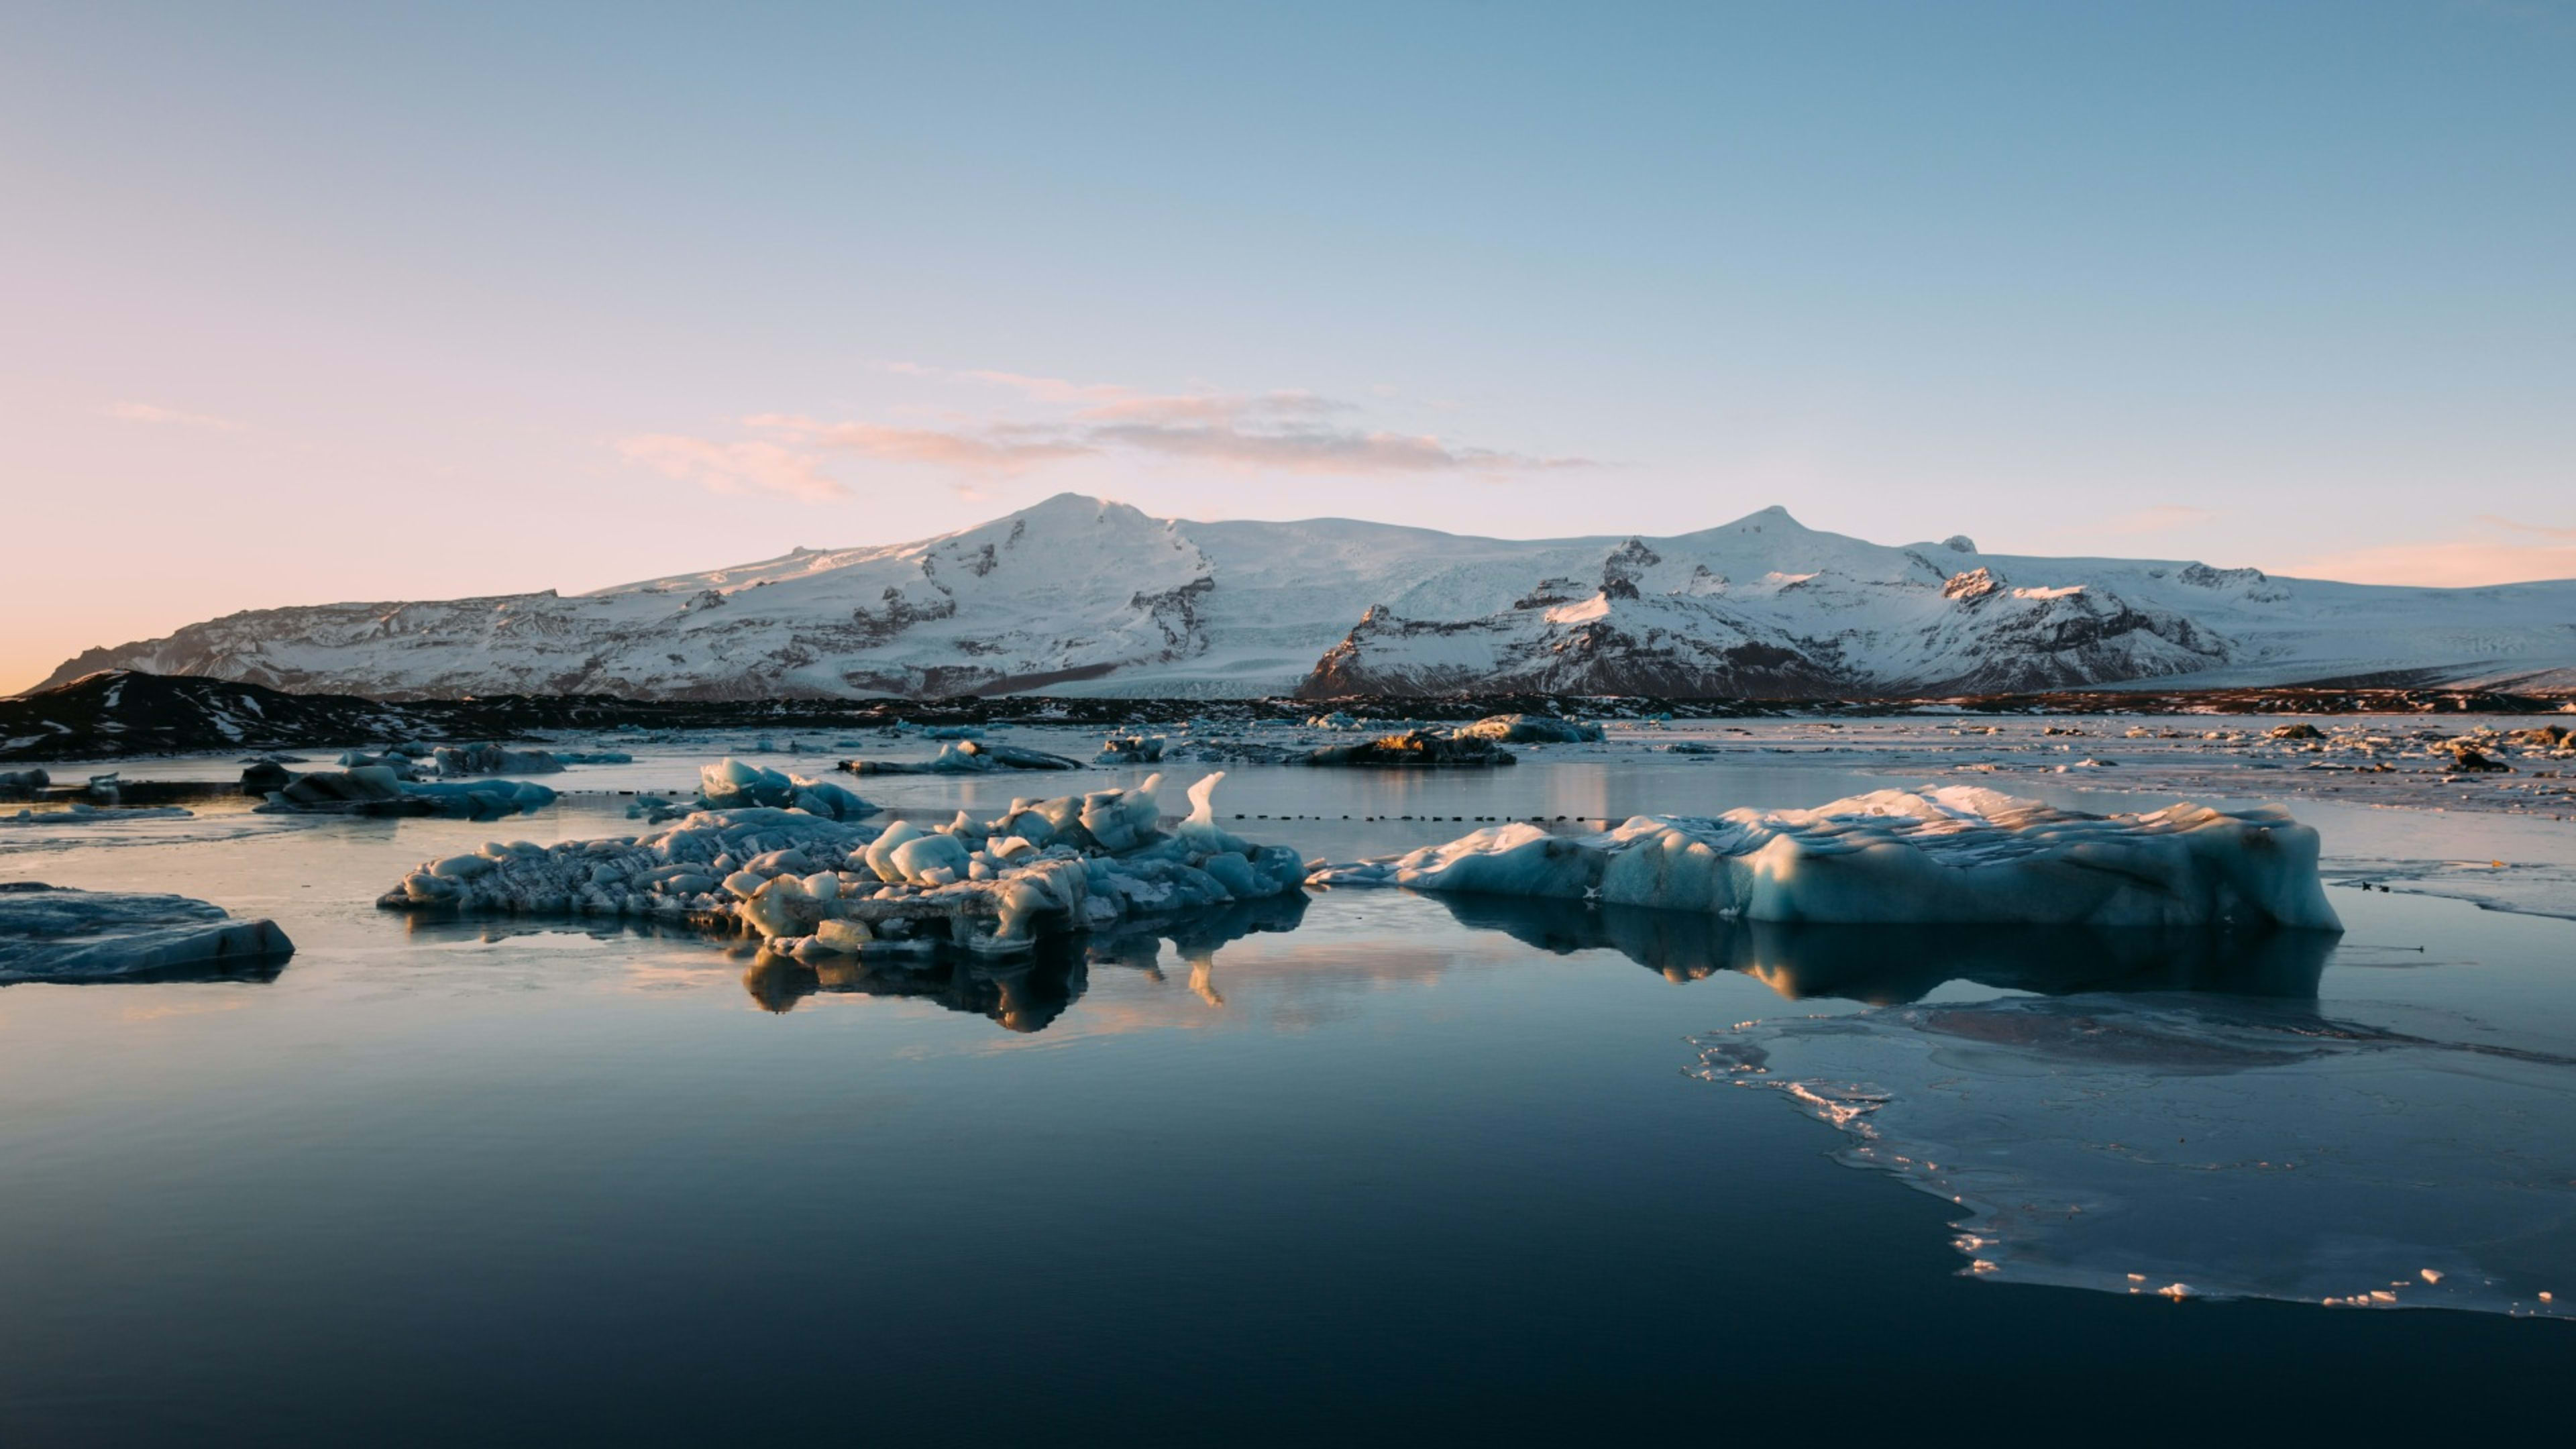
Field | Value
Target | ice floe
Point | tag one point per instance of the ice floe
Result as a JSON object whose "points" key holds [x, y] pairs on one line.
{"points": [[2198, 1147], [729, 784], [1955, 854], [815, 886], [53, 933], [381, 790], [1531, 729], [965, 757]]}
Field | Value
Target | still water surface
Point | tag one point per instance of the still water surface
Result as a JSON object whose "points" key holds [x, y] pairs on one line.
{"points": [[1381, 1168]]}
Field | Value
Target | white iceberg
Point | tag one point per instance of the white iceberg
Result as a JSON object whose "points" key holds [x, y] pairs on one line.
{"points": [[1950, 854], [814, 885], [1531, 729], [53, 933], [729, 784]]}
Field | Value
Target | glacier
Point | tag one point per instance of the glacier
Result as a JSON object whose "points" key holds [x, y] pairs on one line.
{"points": [[1956, 854], [1075, 595]]}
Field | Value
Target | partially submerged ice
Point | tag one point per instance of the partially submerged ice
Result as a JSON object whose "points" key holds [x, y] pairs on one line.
{"points": [[53, 933], [815, 886], [729, 784], [2202, 1147], [965, 757], [1949, 854], [382, 790], [1531, 729]]}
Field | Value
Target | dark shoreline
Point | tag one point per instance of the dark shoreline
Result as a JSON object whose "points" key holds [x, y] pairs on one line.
{"points": [[122, 714]]}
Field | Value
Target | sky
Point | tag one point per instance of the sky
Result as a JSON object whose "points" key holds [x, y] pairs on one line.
{"points": [[304, 303]]}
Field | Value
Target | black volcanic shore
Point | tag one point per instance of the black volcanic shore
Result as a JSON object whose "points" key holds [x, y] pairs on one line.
{"points": [[121, 713]]}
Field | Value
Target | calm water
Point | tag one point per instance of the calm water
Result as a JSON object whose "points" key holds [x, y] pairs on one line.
{"points": [[1381, 1169]]}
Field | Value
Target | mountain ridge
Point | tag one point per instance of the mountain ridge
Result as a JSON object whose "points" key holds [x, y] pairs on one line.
{"points": [[1082, 596]]}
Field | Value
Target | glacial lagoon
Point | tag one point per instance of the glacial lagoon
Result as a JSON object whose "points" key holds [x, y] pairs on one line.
{"points": [[1278, 1172]]}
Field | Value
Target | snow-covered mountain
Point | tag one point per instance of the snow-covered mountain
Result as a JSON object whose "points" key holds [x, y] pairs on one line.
{"points": [[1079, 596]]}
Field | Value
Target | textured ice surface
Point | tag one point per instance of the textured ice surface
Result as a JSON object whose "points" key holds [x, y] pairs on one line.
{"points": [[729, 784], [50, 933], [383, 790], [1531, 729], [813, 885], [2205, 1147], [1954, 854]]}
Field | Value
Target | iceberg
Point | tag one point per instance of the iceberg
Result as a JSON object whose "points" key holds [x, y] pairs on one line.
{"points": [[729, 784], [1415, 748], [1531, 729], [814, 886], [54, 933], [1131, 750], [23, 784], [965, 757], [492, 759], [381, 790], [1934, 855]]}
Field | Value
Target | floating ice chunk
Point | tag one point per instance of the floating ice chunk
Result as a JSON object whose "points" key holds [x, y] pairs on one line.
{"points": [[1530, 729], [1955, 854], [2203, 1147], [965, 757], [23, 784], [729, 784], [379, 790], [492, 759], [50, 933], [1415, 748], [1131, 750], [1068, 864]]}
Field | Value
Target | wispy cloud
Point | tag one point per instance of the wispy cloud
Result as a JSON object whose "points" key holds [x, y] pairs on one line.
{"points": [[751, 466], [999, 448], [141, 412], [1320, 450], [1289, 431]]}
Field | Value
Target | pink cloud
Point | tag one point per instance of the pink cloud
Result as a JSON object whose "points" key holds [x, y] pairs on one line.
{"points": [[1318, 450], [1285, 430], [743, 467], [1000, 450]]}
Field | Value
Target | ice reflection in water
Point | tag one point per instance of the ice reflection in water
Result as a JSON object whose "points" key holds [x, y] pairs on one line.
{"points": [[1025, 992], [1884, 965]]}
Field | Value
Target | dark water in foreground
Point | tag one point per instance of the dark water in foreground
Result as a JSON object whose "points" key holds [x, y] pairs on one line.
{"points": [[1400, 1172]]}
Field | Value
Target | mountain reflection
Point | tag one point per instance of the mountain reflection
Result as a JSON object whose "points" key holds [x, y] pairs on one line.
{"points": [[1024, 993], [1889, 965]]}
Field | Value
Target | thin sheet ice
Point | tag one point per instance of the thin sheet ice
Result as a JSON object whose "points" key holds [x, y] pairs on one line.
{"points": [[2197, 1147]]}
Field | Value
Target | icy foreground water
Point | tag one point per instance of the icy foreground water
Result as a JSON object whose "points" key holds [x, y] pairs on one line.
{"points": [[1381, 1166]]}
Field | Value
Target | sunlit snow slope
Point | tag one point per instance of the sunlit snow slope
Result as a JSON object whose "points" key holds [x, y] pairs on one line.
{"points": [[1075, 595]]}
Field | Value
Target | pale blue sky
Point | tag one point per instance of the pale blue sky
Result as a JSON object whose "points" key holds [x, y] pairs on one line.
{"points": [[314, 302]]}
